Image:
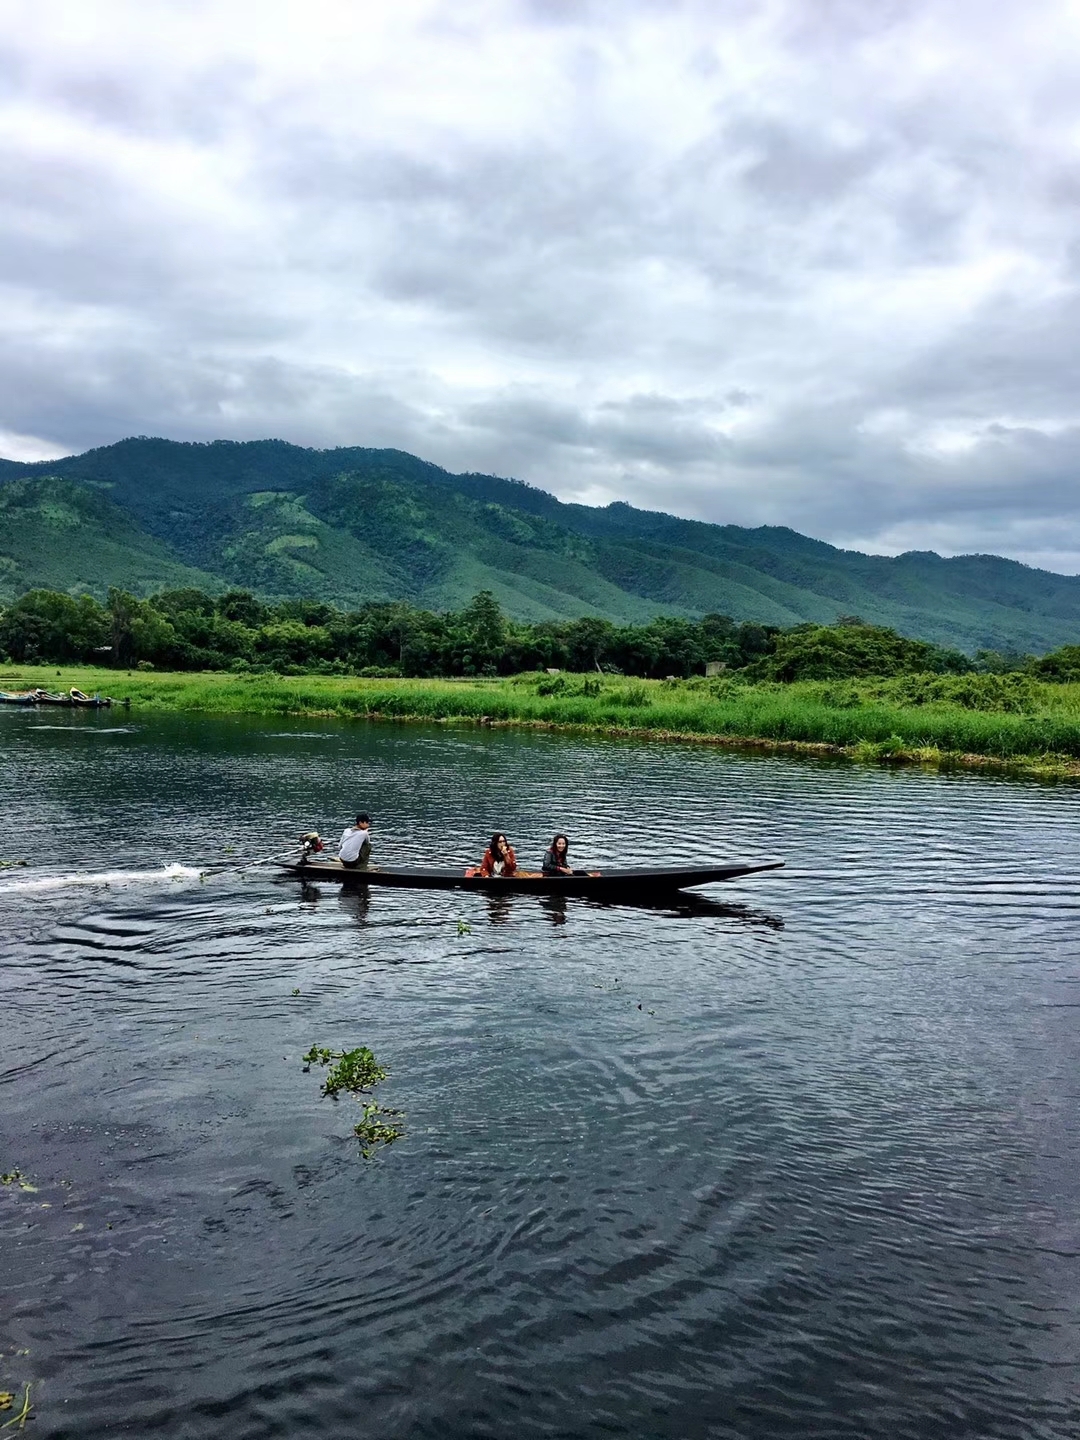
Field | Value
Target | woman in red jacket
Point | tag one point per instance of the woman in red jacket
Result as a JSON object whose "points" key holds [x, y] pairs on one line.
{"points": [[499, 857]]}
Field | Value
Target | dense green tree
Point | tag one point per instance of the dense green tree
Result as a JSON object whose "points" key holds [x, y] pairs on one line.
{"points": [[188, 601], [1063, 664], [242, 606], [290, 644], [189, 629], [588, 642], [481, 635], [837, 652], [46, 625], [123, 608]]}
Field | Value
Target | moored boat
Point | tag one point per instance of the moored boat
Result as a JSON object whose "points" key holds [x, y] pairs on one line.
{"points": [[47, 697], [598, 883]]}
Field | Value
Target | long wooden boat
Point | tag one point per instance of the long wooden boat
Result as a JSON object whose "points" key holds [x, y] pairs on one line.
{"points": [[598, 883], [26, 697]]}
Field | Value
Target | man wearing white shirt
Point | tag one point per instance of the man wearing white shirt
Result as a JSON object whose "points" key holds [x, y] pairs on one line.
{"points": [[355, 847]]}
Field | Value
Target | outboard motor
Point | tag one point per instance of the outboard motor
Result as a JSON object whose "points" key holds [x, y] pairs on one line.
{"points": [[310, 844]]}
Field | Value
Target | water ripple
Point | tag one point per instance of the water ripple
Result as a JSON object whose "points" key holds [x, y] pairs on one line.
{"points": [[794, 1158]]}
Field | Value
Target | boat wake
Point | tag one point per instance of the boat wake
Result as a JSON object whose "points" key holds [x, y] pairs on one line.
{"points": [[103, 878]]}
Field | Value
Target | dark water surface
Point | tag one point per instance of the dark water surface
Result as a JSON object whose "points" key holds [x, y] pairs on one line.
{"points": [[803, 1163]]}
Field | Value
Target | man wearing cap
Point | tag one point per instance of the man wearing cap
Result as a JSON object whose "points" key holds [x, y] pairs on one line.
{"points": [[354, 851]]}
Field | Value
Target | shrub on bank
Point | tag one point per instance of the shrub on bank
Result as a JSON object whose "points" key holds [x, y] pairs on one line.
{"points": [[1007, 694]]}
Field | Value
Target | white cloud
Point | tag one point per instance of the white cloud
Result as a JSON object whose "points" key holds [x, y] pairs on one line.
{"points": [[555, 240], [27, 448]]}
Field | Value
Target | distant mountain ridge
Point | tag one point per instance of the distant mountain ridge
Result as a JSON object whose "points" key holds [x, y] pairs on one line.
{"points": [[356, 524]]}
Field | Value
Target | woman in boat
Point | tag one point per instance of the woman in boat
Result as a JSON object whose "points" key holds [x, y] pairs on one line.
{"points": [[499, 857], [556, 859]]}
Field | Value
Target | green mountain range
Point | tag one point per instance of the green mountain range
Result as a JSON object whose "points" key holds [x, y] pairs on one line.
{"points": [[353, 524]]}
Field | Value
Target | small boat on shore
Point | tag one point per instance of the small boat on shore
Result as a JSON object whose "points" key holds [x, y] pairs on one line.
{"points": [[47, 697], [601, 884]]}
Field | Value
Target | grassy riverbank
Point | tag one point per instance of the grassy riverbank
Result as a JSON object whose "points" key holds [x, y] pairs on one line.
{"points": [[1007, 721]]}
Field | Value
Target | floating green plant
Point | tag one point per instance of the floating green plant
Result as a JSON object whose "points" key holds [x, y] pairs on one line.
{"points": [[16, 1177], [464, 928], [13, 864], [357, 1071], [20, 1419], [354, 1070], [376, 1128]]}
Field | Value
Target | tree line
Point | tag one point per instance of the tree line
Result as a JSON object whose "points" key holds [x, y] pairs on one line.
{"points": [[190, 630]]}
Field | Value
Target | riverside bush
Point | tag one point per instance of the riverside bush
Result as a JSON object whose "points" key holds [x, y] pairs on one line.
{"points": [[633, 697], [1009, 694]]}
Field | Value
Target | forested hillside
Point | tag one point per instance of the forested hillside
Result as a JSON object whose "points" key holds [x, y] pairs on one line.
{"points": [[350, 526]]}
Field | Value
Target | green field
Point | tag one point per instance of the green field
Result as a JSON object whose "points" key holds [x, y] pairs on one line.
{"points": [[1004, 722]]}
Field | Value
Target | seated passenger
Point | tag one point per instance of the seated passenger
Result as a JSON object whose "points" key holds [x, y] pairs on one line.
{"points": [[556, 859], [499, 857], [355, 848]]}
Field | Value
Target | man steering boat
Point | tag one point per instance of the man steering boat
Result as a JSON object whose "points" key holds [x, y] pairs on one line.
{"points": [[354, 849]]}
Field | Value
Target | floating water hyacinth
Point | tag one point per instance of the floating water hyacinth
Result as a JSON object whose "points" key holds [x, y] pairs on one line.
{"points": [[358, 1071]]}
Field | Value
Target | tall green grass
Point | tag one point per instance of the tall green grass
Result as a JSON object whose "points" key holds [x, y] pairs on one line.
{"points": [[910, 714]]}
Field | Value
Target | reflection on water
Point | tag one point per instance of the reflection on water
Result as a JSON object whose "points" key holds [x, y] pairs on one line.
{"points": [[554, 906], [499, 907], [353, 901], [794, 1157]]}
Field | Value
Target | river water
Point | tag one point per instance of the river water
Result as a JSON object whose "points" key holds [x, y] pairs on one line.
{"points": [[800, 1160]]}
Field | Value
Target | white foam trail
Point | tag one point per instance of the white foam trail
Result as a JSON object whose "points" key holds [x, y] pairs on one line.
{"points": [[104, 877]]}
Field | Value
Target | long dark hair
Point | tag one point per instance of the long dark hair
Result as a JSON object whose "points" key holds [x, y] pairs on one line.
{"points": [[499, 835], [555, 840]]}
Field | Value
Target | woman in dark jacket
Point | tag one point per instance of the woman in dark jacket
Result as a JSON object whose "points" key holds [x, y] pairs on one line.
{"points": [[499, 857], [556, 859]]}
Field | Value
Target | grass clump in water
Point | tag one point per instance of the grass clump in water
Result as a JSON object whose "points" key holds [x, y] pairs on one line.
{"points": [[358, 1072]]}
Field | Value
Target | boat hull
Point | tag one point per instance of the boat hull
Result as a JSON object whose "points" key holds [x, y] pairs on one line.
{"points": [[599, 884]]}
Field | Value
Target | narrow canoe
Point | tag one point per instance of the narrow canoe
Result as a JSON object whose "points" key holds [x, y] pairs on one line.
{"points": [[598, 882]]}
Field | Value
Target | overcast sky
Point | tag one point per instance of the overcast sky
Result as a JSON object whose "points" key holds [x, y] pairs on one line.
{"points": [[806, 262]]}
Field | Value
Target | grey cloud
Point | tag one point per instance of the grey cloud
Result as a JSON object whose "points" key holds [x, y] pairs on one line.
{"points": [[685, 294], [837, 25], [74, 396], [651, 430], [794, 169]]}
